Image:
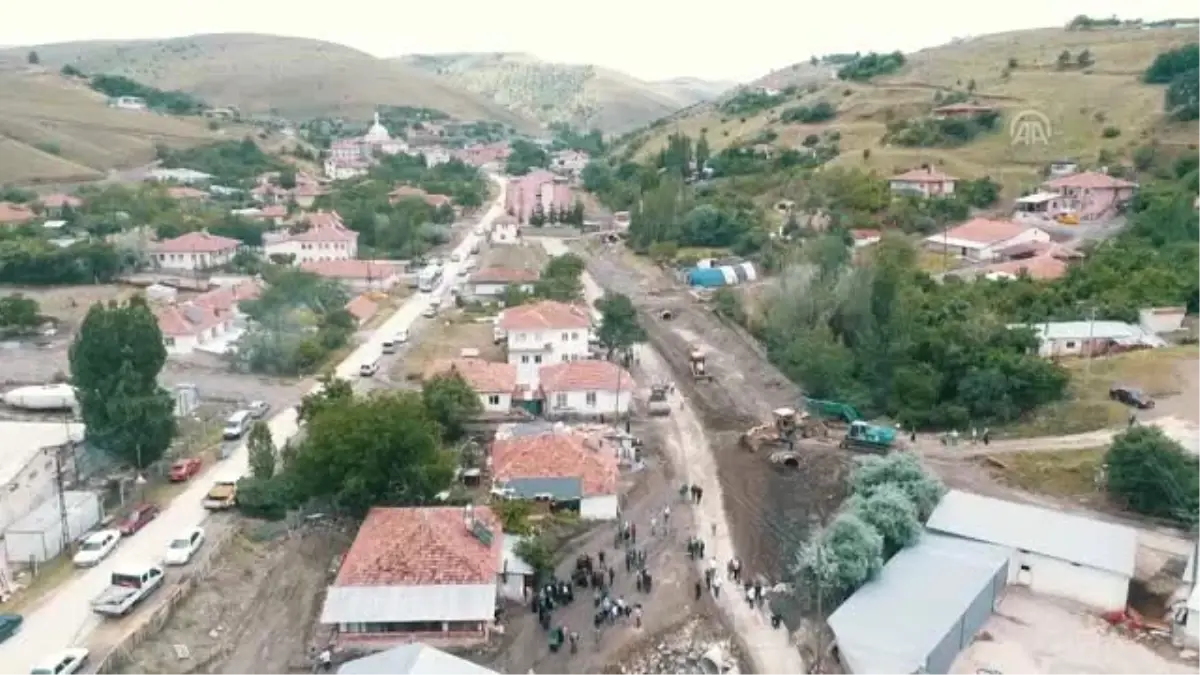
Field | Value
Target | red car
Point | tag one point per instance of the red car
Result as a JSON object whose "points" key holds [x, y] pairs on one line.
{"points": [[137, 518], [184, 469]]}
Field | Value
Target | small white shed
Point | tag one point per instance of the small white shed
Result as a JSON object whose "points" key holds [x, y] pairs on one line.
{"points": [[38, 536], [1055, 553]]}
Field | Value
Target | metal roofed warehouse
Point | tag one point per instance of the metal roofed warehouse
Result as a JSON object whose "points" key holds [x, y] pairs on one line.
{"points": [[926, 606], [1055, 553]]}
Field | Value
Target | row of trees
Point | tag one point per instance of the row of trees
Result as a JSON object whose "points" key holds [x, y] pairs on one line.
{"points": [[231, 162], [173, 102], [19, 315], [524, 157], [565, 216], [1179, 69]]}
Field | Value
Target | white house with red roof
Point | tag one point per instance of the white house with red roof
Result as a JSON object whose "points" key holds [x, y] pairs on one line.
{"points": [[493, 282], [194, 251], [585, 388], [12, 213], [1092, 195], [210, 322], [983, 239], [495, 383], [505, 230], [544, 333], [326, 238], [926, 181], [428, 574], [566, 468], [358, 275]]}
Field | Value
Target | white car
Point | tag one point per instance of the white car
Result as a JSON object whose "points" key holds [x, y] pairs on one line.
{"points": [[182, 548], [96, 547], [402, 336], [66, 661]]}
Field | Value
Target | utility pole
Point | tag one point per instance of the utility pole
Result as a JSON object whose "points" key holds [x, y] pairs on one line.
{"points": [[63, 521], [1087, 364]]}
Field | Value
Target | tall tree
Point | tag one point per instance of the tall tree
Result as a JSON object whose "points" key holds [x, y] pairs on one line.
{"points": [[115, 361], [703, 153], [620, 328], [1153, 474], [452, 403], [334, 390], [261, 449]]}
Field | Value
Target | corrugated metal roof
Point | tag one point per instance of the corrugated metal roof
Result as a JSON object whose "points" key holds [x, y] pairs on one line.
{"points": [[562, 489], [413, 659], [371, 604], [1054, 534], [892, 624], [1097, 330], [513, 563]]}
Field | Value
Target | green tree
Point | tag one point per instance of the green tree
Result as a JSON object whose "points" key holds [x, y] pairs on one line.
{"points": [[890, 511], [1085, 59], [19, 313], [538, 552], [703, 153], [261, 449], [33, 58], [334, 390], [267, 498], [1182, 99], [287, 178], [115, 361], [841, 558], [1064, 59], [561, 279], [383, 450], [1153, 474], [452, 403], [901, 471], [620, 328]]}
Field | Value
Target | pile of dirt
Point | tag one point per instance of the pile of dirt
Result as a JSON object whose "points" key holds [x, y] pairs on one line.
{"points": [[697, 646]]}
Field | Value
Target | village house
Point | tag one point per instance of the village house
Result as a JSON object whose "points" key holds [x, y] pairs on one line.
{"points": [[411, 192], [127, 103], [362, 308], [544, 333], [1090, 338], [425, 574], [505, 230], [539, 188], [586, 388], [983, 240], [274, 214], [483, 155], [1040, 207], [863, 238], [564, 469], [15, 214], [436, 155], [569, 163], [1041, 267], [493, 382], [926, 181], [209, 322], [326, 238], [181, 176], [358, 275], [345, 169], [184, 193], [1092, 195], [305, 193], [54, 204], [413, 659], [194, 251], [491, 283]]}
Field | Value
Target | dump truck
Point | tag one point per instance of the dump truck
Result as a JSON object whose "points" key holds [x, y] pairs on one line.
{"points": [[222, 495], [658, 404], [699, 363], [868, 437]]}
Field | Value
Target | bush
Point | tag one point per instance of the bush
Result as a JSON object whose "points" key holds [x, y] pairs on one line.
{"points": [[819, 112], [871, 65], [1110, 132], [846, 555], [267, 498], [901, 471], [1172, 63], [934, 133], [1154, 475]]}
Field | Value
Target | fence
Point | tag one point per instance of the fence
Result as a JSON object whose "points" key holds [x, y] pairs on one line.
{"points": [[118, 654]]}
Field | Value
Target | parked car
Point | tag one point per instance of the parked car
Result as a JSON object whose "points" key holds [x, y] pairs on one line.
{"points": [[62, 663], [96, 547], [9, 625], [182, 548], [1130, 396], [137, 519], [184, 469], [258, 409]]}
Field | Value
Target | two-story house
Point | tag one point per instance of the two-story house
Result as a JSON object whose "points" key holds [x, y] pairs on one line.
{"points": [[544, 333], [326, 238], [926, 181], [1092, 195], [194, 251]]}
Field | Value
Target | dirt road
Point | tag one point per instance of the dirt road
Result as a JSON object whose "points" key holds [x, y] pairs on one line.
{"points": [[929, 446], [691, 453]]}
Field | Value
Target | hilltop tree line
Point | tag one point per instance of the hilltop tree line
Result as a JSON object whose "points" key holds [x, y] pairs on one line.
{"points": [[1179, 69], [167, 101]]}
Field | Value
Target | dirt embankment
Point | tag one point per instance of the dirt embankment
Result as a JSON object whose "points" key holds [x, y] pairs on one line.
{"points": [[772, 510]]}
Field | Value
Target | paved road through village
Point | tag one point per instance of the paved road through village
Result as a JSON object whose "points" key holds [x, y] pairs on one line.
{"points": [[65, 619]]}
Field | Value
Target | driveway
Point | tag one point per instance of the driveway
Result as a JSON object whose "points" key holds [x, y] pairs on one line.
{"points": [[65, 619]]}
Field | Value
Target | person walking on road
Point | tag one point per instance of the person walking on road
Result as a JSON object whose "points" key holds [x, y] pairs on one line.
{"points": [[716, 587], [325, 660]]}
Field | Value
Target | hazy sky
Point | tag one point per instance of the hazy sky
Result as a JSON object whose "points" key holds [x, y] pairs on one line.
{"points": [[652, 39]]}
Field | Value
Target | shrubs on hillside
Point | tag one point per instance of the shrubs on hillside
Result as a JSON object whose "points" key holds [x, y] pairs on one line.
{"points": [[1179, 69], [871, 65], [174, 102], [37, 262], [1172, 63], [801, 114], [751, 101], [940, 133], [227, 160]]}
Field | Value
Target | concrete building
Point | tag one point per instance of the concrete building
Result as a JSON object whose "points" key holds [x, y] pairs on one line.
{"points": [[27, 464], [1053, 553], [585, 388], [326, 238], [493, 282], [926, 182], [927, 604], [1093, 195], [544, 333], [565, 468], [413, 659], [359, 276], [1090, 338], [495, 383], [195, 251], [983, 240], [210, 322]]}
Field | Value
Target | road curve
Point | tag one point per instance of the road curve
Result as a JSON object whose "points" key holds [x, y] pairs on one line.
{"points": [[65, 619]]}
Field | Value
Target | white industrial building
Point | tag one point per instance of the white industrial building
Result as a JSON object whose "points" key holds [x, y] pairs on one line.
{"points": [[412, 659], [1053, 553], [925, 607], [38, 536], [1082, 338], [27, 458]]}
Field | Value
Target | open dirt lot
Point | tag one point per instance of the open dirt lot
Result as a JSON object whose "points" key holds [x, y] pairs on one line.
{"points": [[254, 611], [443, 338], [1030, 634], [522, 255]]}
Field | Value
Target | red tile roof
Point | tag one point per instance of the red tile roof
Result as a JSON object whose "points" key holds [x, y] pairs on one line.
{"points": [[325, 234], [504, 275], [545, 315], [556, 455], [321, 218], [1089, 180], [586, 375], [186, 193], [349, 269], [362, 308], [197, 242], [59, 200], [861, 235], [983, 231], [226, 298], [929, 175], [1043, 267], [485, 377], [186, 319], [428, 546], [15, 214], [272, 211]]}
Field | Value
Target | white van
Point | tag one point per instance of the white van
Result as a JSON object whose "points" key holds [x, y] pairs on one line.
{"points": [[389, 346], [237, 425], [369, 368]]}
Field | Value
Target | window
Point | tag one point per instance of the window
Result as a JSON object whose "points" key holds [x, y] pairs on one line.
{"points": [[574, 336], [494, 399], [560, 400], [537, 358], [590, 398], [566, 358], [168, 341], [566, 337], [524, 358], [1070, 344]]}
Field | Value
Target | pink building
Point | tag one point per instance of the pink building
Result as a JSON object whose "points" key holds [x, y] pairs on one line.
{"points": [[479, 155], [539, 187], [1092, 195], [929, 182]]}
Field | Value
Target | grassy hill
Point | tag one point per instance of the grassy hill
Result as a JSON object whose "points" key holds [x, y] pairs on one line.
{"points": [[583, 96], [1014, 72], [55, 129], [293, 77]]}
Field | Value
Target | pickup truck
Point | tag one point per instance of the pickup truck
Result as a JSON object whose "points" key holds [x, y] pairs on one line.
{"points": [[222, 495], [126, 589]]}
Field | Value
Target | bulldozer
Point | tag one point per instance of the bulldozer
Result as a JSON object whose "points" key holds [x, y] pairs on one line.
{"points": [[780, 431], [698, 360], [867, 437], [657, 404]]}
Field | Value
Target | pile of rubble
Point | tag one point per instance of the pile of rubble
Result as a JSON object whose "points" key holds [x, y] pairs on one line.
{"points": [[694, 649]]}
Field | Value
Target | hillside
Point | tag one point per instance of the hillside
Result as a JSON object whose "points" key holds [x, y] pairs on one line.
{"points": [[294, 77], [55, 129], [583, 96], [1103, 108]]}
